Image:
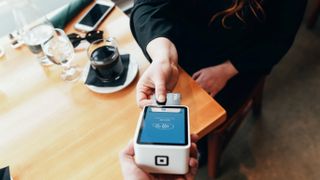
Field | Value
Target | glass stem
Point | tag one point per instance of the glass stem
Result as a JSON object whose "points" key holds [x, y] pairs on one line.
{"points": [[66, 67]]}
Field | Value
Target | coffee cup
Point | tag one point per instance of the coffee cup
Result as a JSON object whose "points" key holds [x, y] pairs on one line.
{"points": [[105, 59]]}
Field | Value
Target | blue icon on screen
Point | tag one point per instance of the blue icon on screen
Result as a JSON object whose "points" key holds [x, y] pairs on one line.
{"points": [[163, 126]]}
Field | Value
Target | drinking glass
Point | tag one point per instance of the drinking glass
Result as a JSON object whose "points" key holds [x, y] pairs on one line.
{"points": [[105, 59], [34, 28], [60, 51]]}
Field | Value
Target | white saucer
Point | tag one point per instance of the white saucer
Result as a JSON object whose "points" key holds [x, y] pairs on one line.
{"points": [[131, 74]]}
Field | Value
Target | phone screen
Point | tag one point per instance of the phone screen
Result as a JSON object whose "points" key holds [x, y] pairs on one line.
{"points": [[164, 125], [93, 16]]}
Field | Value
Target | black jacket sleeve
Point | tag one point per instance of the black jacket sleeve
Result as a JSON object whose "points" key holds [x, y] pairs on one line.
{"points": [[151, 19], [282, 23]]}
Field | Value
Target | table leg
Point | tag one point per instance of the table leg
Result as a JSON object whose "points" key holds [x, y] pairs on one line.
{"points": [[213, 154]]}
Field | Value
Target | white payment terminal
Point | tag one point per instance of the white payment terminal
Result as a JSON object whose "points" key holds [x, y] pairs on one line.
{"points": [[162, 139]]}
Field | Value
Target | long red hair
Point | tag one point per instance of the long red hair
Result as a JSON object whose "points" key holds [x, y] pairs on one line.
{"points": [[237, 9]]}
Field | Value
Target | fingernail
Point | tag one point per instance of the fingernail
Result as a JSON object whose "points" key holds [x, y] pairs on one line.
{"points": [[161, 98]]}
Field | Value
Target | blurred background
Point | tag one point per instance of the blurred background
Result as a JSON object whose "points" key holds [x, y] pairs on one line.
{"points": [[45, 7], [7, 18], [284, 143]]}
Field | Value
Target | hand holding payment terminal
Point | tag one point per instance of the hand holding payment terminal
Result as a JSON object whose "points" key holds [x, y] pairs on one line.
{"points": [[162, 139]]}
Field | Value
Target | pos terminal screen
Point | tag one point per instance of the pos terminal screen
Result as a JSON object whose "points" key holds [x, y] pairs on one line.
{"points": [[164, 126]]}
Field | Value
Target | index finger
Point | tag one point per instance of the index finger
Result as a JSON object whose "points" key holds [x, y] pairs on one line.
{"points": [[142, 96]]}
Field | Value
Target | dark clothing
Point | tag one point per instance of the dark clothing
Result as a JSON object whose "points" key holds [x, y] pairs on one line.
{"points": [[253, 47]]}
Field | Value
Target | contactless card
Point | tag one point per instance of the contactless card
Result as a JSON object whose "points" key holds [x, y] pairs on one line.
{"points": [[172, 99]]}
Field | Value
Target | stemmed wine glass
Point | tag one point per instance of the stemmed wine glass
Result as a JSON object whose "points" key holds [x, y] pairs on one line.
{"points": [[60, 51], [34, 28]]}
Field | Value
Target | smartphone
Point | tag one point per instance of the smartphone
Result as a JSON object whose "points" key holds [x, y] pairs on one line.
{"points": [[91, 19], [162, 140]]}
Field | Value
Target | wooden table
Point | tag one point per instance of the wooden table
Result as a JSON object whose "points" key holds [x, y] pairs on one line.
{"points": [[51, 129]]}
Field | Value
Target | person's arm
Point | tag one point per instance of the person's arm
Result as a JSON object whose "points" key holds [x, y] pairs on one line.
{"points": [[283, 19], [152, 26], [151, 23], [162, 75]]}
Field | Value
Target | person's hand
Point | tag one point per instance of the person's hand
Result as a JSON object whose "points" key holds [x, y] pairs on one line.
{"points": [[158, 79], [213, 79], [131, 171], [162, 75], [129, 168]]}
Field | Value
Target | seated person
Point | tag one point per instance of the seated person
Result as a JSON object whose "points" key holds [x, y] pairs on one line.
{"points": [[226, 46]]}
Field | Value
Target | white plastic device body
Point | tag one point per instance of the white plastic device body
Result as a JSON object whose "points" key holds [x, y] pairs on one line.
{"points": [[162, 158]]}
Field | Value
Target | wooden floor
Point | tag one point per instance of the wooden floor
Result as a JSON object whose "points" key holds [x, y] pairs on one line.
{"points": [[285, 142]]}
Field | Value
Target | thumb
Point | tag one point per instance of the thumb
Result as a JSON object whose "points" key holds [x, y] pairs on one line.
{"points": [[160, 89]]}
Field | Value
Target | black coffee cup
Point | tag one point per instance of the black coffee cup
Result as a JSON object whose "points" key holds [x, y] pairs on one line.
{"points": [[105, 59]]}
